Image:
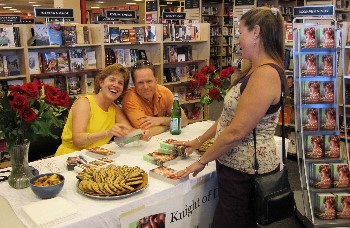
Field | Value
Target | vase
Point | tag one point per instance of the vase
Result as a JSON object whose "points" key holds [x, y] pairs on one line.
{"points": [[20, 173]]}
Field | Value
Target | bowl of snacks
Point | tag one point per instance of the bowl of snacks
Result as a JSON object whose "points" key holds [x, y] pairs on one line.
{"points": [[47, 185]]}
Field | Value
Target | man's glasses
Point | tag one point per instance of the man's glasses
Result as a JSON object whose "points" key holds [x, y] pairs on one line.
{"points": [[142, 63]]}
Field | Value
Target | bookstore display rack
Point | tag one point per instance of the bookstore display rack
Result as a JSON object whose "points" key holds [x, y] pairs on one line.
{"points": [[323, 163], [81, 51], [219, 14]]}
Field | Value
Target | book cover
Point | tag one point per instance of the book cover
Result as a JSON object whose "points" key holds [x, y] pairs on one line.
{"points": [[140, 34], [41, 34], [55, 34], [325, 206], [80, 34], [166, 174], [310, 119], [7, 37], [326, 37], [34, 59], [73, 83], [91, 59], [77, 59], [13, 65], [129, 138], [178, 33], [60, 82], [90, 81], [142, 55], [311, 92], [342, 205], [181, 53], [309, 65], [87, 35], [160, 159], [69, 35], [327, 92], [150, 31], [2, 70], [48, 81], [314, 146], [124, 35], [172, 51], [114, 35], [187, 32], [328, 119], [63, 62], [132, 35], [340, 175], [106, 34], [127, 57], [308, 38], [119, 56], [332, 146], [322, 175], [166, 32], [50, 61], [325, 65], [289, 32]]}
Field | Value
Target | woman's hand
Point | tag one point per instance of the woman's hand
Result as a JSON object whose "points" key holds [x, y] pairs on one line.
{"points": [[195, 168], [190, 145], [119, 130], [147, 135]]}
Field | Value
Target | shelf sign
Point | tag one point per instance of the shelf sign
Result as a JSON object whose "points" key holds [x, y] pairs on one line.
{"points": [[27, 21], [68, 19], [169, 3], [10, 19], [102, 18], [174, 16], [244, 2], [121, 14], [191, 4], [324, 10], [53, 12], [151, 6]]}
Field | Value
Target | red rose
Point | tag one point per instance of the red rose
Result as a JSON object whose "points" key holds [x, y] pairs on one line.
{"points": [[18, 101], [15, 88], [193, 84], [216, 82], [231, 70], [27, 114], [214, 93], [201, 79], [56, 96], [225, 73], [204, 70], [31, 89], [211, 69]]}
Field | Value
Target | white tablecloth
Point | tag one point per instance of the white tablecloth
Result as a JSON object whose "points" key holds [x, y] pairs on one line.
{"points": [[102, 213]]}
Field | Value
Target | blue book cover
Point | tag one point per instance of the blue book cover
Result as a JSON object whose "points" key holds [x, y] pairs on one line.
{"points": [[55, 34], [114, 34]]}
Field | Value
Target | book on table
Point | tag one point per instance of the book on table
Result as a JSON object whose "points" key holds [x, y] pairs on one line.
{"points": [[166, 174]]}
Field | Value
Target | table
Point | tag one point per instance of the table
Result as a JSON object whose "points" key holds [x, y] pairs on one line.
{"points": [[188, 204]]}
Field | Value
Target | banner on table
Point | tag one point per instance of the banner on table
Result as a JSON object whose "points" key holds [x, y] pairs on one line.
{"points": [[193, 209]]}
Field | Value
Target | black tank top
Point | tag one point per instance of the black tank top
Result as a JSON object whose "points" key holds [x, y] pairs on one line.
{"points": [[273, 108]]}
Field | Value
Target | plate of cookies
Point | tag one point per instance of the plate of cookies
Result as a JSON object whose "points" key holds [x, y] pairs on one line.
{"points": [[112, 182]]}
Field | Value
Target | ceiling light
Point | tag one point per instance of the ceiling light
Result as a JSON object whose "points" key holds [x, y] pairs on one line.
{"points": [[100, 2], [138, 0], [2, 4], [36, 5], [13, 9], [7, 7], [17, 11], [131, 3], [32, 2], [95, 7]]}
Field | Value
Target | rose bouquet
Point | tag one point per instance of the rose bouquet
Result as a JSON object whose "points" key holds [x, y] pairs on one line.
{"points": [[31, 110], [215, 83]]}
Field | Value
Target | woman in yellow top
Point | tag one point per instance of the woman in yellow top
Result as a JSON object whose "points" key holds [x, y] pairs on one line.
{"points": [[94, 119]]}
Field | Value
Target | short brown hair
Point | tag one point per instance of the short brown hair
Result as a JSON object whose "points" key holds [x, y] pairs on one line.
{"points": [[112, 70], [142, 64]]}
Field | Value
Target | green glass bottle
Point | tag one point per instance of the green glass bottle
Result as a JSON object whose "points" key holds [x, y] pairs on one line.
{"points": [[175, 118]]}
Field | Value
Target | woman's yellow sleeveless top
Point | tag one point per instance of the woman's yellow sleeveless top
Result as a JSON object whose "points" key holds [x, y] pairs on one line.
{"points": [[99, 121]]}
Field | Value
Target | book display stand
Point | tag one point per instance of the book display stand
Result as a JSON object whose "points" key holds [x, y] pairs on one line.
{"points": [[323, 163]]}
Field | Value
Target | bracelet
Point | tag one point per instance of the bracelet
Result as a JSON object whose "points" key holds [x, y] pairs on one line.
{"points": [[198, 140], [199, 161]]}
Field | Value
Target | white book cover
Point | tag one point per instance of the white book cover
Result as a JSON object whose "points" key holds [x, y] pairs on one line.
{"points": [[34, 62], [91, 59], [127, 58], [90, 81]]}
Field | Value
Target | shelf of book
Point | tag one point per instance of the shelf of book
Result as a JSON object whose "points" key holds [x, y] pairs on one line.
{"points": [[324, 167]]}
